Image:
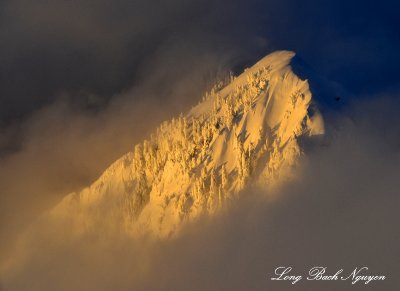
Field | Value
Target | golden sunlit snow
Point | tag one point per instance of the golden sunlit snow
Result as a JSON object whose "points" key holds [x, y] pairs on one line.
{"points": [[244, 132]]}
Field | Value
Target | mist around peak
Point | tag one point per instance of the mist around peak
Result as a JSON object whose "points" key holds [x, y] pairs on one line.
{"points": [[333, 197]]}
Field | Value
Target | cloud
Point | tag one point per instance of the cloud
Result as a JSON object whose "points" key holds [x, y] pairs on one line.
{"points": [[340, 214], [64, 148], [96, 47], [102, 48]]}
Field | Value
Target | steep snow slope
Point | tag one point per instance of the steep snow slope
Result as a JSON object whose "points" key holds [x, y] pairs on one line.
{"points": [[243, 133]]}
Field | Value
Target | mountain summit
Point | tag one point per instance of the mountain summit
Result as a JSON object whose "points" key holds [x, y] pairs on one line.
{"points": [[245, 132]]}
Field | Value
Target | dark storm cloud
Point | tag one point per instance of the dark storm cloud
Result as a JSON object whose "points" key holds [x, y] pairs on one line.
{"points": [[75, 46], [100, 47]]}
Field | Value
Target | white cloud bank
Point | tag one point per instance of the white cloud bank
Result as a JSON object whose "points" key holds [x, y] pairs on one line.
{"points": [[343, 213]]}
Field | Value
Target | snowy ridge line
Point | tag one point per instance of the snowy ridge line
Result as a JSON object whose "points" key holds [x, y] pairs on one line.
{"points": [[244, 133]]}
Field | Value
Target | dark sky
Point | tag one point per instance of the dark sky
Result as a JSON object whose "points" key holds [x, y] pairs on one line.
{"points": [[84, 48]]}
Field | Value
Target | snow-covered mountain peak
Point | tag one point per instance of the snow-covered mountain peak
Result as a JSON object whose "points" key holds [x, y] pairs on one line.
{"points": [[244, 132]]}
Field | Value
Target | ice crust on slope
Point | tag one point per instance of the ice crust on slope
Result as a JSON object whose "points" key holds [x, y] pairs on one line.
{"points": [[245, 132]]}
